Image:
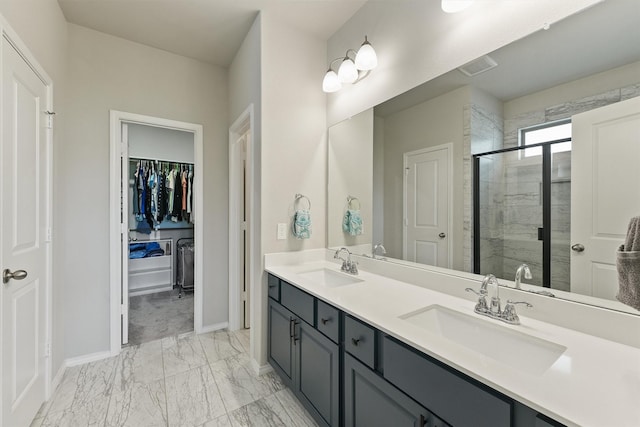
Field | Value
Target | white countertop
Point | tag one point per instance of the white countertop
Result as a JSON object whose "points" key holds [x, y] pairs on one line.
{"points": [[596, 382]]}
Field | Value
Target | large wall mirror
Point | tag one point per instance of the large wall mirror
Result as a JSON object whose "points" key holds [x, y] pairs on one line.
{"points": [[426, 164]]}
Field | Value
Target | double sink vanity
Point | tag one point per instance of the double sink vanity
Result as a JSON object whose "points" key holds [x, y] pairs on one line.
{"points": [[390, 348]]}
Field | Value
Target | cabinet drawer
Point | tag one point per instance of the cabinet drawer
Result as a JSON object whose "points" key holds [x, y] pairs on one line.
{"points": [[441, 390], [359, 340], [152, 263], [299, 302], [327, 321], [274, 287]]}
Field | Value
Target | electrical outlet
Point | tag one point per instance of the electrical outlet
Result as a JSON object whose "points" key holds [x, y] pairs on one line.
{"points": [[282, 231]]}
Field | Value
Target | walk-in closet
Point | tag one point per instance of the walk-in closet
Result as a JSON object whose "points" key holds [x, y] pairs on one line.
{"points": [[161, 221]]}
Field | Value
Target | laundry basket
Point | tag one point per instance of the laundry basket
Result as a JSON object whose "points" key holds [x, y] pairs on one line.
{"points": [[184, 273]]}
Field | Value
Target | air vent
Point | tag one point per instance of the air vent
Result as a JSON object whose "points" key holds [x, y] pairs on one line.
{"points": [[478, 66]]}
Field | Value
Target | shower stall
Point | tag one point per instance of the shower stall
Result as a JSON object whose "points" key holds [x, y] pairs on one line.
{"points": [[522, 212]]}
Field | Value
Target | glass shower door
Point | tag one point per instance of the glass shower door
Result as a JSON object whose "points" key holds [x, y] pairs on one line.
{"points": [[509, 213]]}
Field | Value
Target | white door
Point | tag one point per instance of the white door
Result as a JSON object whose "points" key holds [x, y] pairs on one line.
{"points": [[23, 250], [124, 232], [605, 193], [426, 206], [244, 244]]}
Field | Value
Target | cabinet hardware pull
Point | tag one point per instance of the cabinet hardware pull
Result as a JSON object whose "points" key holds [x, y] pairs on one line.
{"points": [[355, 341], [272, 286], [291, 327], [295, 322], [324, 321], [423, 421]]}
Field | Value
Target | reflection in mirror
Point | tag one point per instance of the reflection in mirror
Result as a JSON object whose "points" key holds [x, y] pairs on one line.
{"points": [[585, 63], [350, 212]]}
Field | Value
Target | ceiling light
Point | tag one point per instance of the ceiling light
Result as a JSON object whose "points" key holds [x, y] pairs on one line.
{"points": [[354, 66], [453, 6]]}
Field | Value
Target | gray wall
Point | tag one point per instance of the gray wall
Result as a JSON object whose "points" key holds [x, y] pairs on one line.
{"points": [[111, 73]]}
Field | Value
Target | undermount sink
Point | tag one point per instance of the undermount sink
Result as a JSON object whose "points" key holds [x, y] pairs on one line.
{"points": [[329, 278], [503, 344]]}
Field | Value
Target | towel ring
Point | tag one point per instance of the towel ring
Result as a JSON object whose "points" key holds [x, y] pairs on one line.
{"points": [[351, 199], [302, 196]]}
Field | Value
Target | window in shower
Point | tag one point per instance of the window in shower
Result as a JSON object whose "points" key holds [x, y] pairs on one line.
{"points": [[522, 199]]}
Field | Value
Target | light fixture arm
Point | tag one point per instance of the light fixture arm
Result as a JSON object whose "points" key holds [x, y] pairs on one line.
{"points": [[361, 74]]}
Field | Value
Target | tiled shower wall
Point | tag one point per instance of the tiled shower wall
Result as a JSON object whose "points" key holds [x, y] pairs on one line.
{"points": [[510, 237]]}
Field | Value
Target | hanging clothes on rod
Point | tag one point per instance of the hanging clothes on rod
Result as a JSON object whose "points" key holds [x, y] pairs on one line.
{"points": [[162, 191]]}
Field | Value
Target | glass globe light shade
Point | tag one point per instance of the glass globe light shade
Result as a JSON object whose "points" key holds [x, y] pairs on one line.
{"points": [[347, 73], [453, 6], [366, 58], [331, 82]]}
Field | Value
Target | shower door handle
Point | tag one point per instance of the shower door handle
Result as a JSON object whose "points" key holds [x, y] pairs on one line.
{"points": [[577, 247]]}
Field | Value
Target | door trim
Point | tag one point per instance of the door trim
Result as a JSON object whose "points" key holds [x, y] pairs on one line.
{"points": [[244, 123], [115, 268], [12, 37], [449, 147]]}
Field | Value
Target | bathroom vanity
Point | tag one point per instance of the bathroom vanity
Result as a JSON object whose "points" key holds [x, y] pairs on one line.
{"points": [[368, 350]]}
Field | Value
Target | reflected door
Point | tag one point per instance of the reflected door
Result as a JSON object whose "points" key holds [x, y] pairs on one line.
{"points": [[23, 198], [605, 194], [426, 206]]}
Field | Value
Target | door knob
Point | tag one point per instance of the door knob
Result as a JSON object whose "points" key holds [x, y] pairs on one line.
{"points": [[16, 275], [577, 247], [442, 235]]}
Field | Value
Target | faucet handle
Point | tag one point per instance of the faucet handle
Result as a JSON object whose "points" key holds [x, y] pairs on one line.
{"points": [[354, 267], [509, 314], [481, 306]]}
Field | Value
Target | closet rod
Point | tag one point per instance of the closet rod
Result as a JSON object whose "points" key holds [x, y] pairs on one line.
{"points": [[159, 160]]}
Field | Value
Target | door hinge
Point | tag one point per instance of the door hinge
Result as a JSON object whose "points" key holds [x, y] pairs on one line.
{"points": [[49, 122], [49, 235], [123, 309], [406, 222], [47, 350], [123, 228], [407, 170], [123, 149]]}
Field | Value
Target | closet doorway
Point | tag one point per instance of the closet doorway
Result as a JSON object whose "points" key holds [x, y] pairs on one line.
{"points": [[156, 237]]}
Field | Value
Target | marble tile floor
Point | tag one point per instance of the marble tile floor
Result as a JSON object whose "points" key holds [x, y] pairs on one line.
{"points": [[159, 315], [188, 380]]}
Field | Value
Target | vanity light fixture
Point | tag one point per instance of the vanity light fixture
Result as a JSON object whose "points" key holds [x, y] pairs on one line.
{"points": [[453, 6], [354, 66]]}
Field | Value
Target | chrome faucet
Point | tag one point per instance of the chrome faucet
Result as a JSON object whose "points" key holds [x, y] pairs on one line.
{"points": [[375, 251], [348, 266], [494, 310], [490, 279], [527, 274]]}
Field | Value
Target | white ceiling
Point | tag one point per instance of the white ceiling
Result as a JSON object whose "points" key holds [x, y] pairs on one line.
{"points": [[207, 30], [600, 38]]}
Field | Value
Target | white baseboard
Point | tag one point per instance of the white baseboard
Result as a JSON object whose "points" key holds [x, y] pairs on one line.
{"points": [[81, 360], [57, 379], [260, 369], [215, 327]]}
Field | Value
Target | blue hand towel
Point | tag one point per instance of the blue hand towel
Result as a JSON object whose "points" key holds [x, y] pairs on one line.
{"points": [[352, 222], [302, 224]]}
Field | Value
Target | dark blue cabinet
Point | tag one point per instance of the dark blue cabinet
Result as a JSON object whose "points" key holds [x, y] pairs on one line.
{"points": [[279, 346], [347, 373], [370, 401], [307, 361]]}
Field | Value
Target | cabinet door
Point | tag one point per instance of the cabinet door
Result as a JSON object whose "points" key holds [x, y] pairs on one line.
{"points": [[279, 339], [317, 373], [370, 401]]}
